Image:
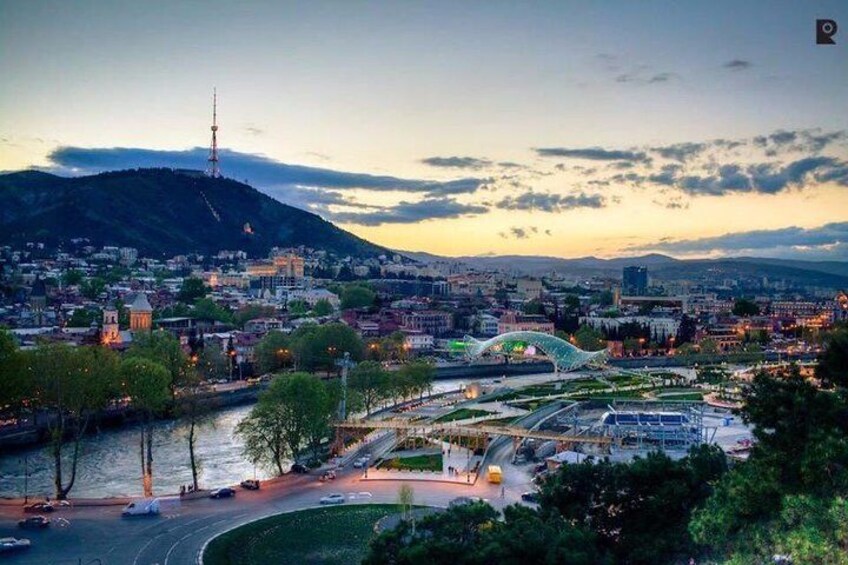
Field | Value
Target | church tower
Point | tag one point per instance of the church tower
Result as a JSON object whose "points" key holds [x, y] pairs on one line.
{"points": [[111, 333], [141, 314]]}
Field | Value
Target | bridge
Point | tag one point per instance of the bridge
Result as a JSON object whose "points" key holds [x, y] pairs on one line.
{"points": [[564, 355], [468, 430]]}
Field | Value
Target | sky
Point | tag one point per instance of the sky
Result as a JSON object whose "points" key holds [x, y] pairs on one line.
{"points": [[695, 129]]}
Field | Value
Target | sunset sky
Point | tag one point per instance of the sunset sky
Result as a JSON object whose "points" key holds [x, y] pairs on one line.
{"points": [[461, 128]]}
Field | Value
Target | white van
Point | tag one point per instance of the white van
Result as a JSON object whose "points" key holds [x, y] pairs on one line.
{"points": [[142, 507]]}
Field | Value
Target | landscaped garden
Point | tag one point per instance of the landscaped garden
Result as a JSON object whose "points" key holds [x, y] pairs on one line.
{"points": [[462, 414], [425, 462], [337, 535]]}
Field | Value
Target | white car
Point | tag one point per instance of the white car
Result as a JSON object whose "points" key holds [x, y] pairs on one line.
{"points": [[13, 544], [361, 463], [335, 498]]}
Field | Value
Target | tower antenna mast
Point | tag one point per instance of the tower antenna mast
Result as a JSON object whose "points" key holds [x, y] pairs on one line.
{"points": [[213, 170]]}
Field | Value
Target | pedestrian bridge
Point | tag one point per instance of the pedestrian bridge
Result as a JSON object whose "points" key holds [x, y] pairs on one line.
{"points": [[564, 355], [480, 429]]}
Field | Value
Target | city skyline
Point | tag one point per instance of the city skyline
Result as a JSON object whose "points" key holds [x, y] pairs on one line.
{"points": [[504, 129]]}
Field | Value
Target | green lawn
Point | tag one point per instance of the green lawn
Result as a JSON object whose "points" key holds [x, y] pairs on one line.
{"points": [[430, 462], [462, 414], [334, 535]]}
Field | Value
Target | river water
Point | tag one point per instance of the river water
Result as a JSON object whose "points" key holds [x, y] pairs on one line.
{"points": [[109, 465]]}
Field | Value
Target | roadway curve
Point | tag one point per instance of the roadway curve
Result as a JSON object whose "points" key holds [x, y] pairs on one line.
{"points": [[99, 532]]}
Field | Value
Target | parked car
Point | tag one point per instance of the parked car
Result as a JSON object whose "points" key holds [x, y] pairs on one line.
{"points": [[328, 476], [361, 463], [34, 523], [39, 507], [250, 484], [7, 545], [299, 469], [530, 496], [225, 492], [335, 498]]}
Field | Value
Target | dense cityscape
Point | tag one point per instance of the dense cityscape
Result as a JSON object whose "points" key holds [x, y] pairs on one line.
{"points": [[477, 283]]}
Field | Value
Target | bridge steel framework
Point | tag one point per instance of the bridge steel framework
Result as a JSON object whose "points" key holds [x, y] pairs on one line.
{"points": [[565, 356]]}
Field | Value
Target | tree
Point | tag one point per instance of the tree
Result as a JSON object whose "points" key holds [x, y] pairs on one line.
{"points": [[191, 290], [72, 385], [212, 364], [273, 352], [319, 347], [832, 367], [84, 317], [92, 288], [263, 434], [294, 412], [322, 308], [370, 382], [744, 307], [72, 277], [686, 330], [638, 510], [163, 348], [789, 495], [297, 308], [146, 384], [534, 307], [191, 407], [406, 500], [418, 376], [589, 339], [16, 385], [357, 296], [252, 312], [207, 309]]}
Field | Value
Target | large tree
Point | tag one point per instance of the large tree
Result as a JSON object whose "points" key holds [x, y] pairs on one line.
{"points": [[145, 382], [163, 348], [370, 381], [292, 414], [273, 352], [72, 385]]}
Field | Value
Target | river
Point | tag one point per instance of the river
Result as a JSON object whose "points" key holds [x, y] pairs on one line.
{"points": [[109, 465]]}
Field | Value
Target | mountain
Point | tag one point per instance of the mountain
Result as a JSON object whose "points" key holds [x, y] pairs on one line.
{"points": [[162, 212], [660, 267]]}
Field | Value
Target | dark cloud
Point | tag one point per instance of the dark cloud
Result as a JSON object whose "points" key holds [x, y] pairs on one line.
{"points": [[253, 130], [738, 65], [593, 154], [827, 240], [258, 170], [410, 212], [457, 162], [519, 233], [680, 151], [551, 202]]}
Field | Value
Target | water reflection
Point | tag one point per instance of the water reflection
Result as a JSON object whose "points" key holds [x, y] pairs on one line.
{"points": [[110, 464]]}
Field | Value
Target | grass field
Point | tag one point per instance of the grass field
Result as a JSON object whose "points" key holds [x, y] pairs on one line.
{"points": [[336, 535], [430, 462], [462, 414]]}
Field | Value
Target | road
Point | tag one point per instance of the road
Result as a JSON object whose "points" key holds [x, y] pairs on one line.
{"points": [[178, 536]]}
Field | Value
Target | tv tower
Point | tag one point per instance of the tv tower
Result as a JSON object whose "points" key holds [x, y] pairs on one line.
{"points": [[213, 170]]}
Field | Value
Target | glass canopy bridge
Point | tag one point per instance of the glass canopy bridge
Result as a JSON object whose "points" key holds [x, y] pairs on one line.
{"points": [[565, 356]]}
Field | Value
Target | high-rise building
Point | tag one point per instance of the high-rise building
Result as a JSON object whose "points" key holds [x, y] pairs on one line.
{"points": [[634, 281]]}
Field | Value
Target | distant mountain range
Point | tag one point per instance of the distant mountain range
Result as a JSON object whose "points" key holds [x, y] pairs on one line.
{"points": [[660, 267], [162, 213]]}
